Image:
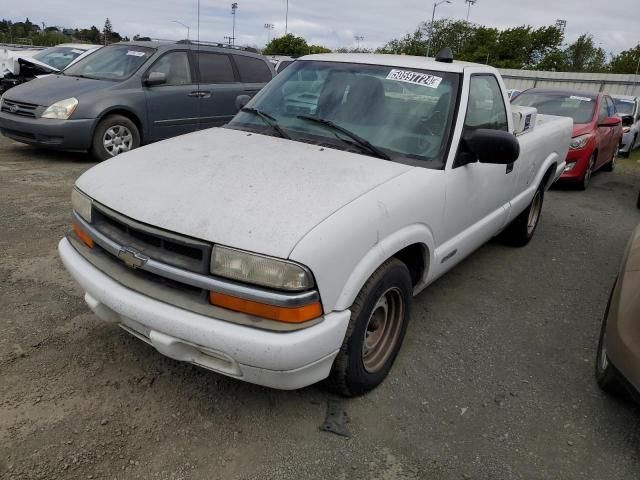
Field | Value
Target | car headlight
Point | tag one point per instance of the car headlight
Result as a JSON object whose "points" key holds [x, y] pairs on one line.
{"points": [[61, 110], [624, 129], [81, 204], [259, 269], [579, 142]]}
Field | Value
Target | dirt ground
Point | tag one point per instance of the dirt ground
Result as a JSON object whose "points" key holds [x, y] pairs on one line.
{"points": [[494, 381]]}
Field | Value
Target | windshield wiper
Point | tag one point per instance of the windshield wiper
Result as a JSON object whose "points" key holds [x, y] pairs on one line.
{"points": [[269, 120], [361, 142]]}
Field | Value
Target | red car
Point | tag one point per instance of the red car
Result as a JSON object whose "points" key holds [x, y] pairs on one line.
{"points": [[597, 131]]}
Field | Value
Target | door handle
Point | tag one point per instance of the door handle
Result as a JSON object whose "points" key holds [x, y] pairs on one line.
{"points": [[199, 94]]}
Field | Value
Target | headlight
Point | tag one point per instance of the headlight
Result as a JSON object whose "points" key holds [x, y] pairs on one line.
{"points": [[259, 269], [579, 142], [61, 110], [569, 166], [624, 129], [81, 204]]}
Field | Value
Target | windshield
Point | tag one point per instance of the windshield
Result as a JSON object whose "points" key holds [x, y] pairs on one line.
{"points": [[624, 106], [404, 115], [58, 57], [581, 107], [115, 62]]}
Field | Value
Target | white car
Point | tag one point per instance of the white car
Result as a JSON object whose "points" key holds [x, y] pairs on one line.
{"points": [[18, 66], [285, 248], [628, 107]]}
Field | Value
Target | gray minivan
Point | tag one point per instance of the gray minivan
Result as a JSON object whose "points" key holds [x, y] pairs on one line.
{"points": [[133, 93]]}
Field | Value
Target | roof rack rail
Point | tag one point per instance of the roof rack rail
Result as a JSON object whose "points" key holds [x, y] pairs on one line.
{"points": [[216, 44]]}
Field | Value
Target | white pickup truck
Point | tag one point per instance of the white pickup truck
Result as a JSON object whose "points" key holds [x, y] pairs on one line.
{"points": [[285, 248]]}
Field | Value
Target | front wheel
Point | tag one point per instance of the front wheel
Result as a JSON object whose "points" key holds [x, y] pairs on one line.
{"points": [[379, 318], [521, 230], [115, 134], [607, 375]]}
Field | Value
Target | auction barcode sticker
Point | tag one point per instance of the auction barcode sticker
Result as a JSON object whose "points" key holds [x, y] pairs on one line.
{"points": [[135, 53], [582, 99], [416, 78]]}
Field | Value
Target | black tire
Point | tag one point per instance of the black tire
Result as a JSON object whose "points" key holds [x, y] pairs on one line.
{"points": [[521, 230], [625, 154], [584, 183], [638, 201], [349, 375], [117, 123], [607, 375], [611, 165]]}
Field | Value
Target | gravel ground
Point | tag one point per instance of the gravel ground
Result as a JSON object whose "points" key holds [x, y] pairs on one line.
{"points": [[495, 379]]}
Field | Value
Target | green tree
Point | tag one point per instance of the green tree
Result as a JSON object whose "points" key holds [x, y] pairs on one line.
{"points": [[626, 62], [293, 46], [107, 30], [584, 56]]}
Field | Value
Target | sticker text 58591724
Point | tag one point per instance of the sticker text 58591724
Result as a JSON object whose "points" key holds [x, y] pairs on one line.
{"points": [[416, 78]]}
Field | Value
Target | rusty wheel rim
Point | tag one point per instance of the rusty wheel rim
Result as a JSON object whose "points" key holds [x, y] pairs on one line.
{"points": [[383, 330]]}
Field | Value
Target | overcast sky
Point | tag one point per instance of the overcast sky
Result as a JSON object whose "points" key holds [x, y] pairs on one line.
{"points": [[615, 24]]}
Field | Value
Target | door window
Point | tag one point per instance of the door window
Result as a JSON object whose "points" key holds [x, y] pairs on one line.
{"points": [[175, 66], [604, 111], [486, 107], [611, 108], [252, 70], [215, 68]]}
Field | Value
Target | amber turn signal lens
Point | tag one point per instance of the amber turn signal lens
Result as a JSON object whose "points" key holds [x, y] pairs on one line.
{"points": [[271, 312], [82, 235]]}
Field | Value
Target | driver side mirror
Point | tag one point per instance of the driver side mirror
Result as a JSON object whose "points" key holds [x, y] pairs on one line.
{"points": [[155, 78], [488, 146], [241, 101], [610, 122]]}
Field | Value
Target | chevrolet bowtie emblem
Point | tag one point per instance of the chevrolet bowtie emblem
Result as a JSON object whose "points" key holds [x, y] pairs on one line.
{"points": [[132, 258]]}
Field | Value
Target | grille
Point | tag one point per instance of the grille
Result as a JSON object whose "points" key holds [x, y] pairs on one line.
{"points": [[19, 108], [166, 247]]}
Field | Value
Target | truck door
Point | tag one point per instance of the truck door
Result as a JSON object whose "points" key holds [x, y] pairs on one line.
{"points": [[478, 194]]}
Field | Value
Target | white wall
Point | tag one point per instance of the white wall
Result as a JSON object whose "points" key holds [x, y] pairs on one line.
{"points": [[590, 82]]}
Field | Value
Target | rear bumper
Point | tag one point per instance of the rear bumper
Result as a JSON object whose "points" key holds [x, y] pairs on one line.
{"points": [[284, 360], [48, 133]]}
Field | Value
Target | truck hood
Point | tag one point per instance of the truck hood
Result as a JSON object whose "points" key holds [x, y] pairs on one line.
{"points": [[53, 88], [9, 60], [245, 190]]}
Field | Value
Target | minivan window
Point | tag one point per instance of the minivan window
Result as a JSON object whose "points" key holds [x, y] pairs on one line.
{"points": [[175, 65], [252, 70], [215, 68], [115, 62]]}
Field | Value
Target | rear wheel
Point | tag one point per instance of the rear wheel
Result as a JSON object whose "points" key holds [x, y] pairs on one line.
{"points": [[379, 318], [611, 166], [521, 230], [114, 135]]}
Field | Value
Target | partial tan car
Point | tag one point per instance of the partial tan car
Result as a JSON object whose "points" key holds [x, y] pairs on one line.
{"points": [[618, 358]]}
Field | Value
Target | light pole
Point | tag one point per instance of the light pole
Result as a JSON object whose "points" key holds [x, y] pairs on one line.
{"points": [[234, 7], [358, 39], [269, 27], [433, 17], [286, 19], [185, 26], [470, 2]]}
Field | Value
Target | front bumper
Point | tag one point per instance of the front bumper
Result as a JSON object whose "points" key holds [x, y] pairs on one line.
{"points": [[73, 135], [274, 359], [581, 159], [626, 143]]}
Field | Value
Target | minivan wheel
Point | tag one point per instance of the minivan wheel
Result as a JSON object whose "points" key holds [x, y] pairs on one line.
{"points": [[379, 318], [114, 135]]}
